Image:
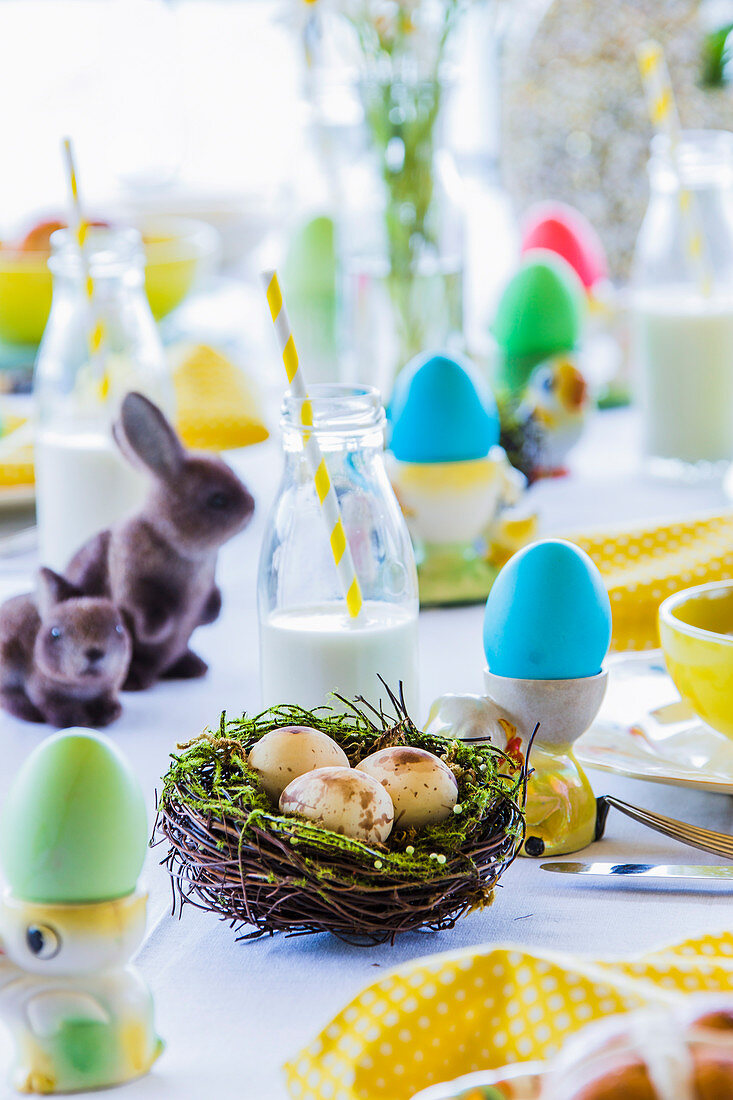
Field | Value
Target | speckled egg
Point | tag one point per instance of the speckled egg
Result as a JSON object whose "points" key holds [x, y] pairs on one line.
{"points": [[74, 827], [442, 411], [562, 229], [284, 754], [423, 789], [548, 616], [343, 800]]}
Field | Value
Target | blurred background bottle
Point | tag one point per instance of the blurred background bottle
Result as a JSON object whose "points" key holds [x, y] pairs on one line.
{"points": [[683, 328], [83, 483]]}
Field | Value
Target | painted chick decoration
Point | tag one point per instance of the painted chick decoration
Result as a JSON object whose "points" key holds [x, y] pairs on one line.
{"points": [[63, 655], [159, 566], [558, 402], [72, 844]]}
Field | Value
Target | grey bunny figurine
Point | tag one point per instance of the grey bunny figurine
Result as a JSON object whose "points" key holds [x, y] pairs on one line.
{"points": [[159, 566], [63, 655]]}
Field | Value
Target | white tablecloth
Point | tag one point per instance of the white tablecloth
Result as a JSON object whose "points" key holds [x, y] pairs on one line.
{"points": [[231, 1013]]}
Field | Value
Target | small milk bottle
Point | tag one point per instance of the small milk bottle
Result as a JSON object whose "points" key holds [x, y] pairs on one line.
{"points": [[682, 320], [83, 483], [309, 647]]}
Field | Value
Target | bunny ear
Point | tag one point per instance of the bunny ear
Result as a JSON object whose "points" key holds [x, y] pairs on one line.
{"points": [[144, 435], [53, 589]]}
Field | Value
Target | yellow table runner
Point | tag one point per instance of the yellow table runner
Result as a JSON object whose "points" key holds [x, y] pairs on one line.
{"points": [[643, 565], [446, 1015]]}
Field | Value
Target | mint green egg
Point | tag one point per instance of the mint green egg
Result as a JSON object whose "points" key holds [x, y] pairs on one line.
{"points": [[310, 264], [74, 827]]}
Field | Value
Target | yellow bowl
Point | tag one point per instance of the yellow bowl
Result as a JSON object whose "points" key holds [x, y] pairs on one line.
{"points": [[25, 295], [176, 251], [696, 629]]}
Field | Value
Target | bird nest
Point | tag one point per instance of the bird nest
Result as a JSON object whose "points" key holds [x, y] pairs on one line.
{"points": [[231, 852]]}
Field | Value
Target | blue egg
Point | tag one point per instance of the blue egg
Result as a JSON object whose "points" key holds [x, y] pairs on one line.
{"points": [[442, 411], [548, 616]]}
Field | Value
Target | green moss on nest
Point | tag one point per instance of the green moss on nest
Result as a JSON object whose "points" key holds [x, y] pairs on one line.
{"points": [[211, 780]]}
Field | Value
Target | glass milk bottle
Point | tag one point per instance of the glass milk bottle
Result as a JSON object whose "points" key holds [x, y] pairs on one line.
{"points": [[309, 647], [683, 328], [83, 483]]}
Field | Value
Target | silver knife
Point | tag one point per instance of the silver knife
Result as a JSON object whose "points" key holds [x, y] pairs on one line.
{"points": [[642, 870]]}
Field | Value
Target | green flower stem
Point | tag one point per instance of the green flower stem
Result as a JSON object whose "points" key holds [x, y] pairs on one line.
{"points": [[402, 107]]}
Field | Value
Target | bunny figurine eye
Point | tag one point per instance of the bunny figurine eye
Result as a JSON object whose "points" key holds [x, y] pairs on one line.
{"points": [[55, 632], [42, 941], [120, 628], [217, 501]]}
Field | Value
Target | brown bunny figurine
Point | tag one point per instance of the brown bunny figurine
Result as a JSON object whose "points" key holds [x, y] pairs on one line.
{"points": [[63, 655], [159, 566]]}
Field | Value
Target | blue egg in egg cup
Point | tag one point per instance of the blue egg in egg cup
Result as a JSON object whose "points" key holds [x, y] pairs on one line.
{"points": [[450, 475], [547, 629]]}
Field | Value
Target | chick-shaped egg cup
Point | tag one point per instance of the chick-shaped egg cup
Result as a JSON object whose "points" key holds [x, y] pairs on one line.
{"points": [[450, 475], [72, 844], [547, 629], [557, 403]]}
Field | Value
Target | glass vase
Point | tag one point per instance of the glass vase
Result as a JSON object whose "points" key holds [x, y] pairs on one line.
{"points": [[403, 247]]}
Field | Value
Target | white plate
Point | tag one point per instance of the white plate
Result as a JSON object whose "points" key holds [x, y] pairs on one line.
{"points": [[645, 731]]}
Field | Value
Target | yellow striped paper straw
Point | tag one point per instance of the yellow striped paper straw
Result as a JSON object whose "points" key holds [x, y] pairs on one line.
{"points": [[665, 120], [324, 488], [81, 227]]}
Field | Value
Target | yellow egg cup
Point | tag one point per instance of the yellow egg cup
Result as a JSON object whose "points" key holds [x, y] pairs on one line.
{"points": [[452, 511], [696, 631], [561, 805], [175, 251]]}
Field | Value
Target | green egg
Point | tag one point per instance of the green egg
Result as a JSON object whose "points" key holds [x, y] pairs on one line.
{"points": [[309, 286], [540, 314], [74, 827], [310, 264]]}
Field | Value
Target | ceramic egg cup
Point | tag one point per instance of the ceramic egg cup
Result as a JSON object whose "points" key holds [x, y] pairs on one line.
{"points": [[561, 806], [80, 1016], [451, 509], [73, 838]]}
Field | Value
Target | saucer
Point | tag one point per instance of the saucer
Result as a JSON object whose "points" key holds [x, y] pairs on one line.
{"points": [[645, 731]]}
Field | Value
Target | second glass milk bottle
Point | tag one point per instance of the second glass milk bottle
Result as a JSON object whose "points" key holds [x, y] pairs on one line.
{"points": [[309, 647], [682, 306], [84, 484]]}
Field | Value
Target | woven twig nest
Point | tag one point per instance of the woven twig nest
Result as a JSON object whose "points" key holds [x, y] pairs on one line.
{"points": [[231, 852]]}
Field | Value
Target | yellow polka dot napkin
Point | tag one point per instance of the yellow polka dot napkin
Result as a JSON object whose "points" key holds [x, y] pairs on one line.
{"points": [[217, 408], [643, 565], [438, 1018]]}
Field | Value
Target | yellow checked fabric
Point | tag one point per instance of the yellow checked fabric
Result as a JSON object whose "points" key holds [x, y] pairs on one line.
{"points": [[217, 410], [16, 466], [217, 407], [440, 1017], [642, 566]]}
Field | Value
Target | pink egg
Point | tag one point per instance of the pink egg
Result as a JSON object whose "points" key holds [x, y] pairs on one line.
{"points": [[562, 229]]}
